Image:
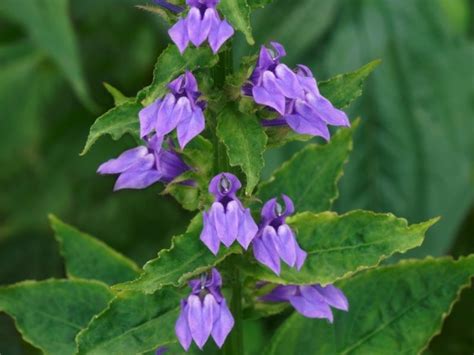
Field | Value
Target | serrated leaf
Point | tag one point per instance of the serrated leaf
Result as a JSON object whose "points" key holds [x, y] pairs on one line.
{"points": [[342, 89], [245, 141], [340, 245], [171, 64], [310, 178], [50, 313], [394, 309], [133, 323], [237, 12], [118, 96], [88, 258], [187, 257], [115, 122]]}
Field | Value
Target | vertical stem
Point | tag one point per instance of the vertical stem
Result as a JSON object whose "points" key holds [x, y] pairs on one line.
{"points": [[234, 344]]}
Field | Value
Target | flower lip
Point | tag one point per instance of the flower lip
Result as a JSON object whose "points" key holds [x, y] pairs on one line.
{"points": [[224, 185], [274, 210]]}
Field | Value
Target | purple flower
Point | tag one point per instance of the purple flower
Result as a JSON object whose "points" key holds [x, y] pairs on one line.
{"points": [[201, 23], [161, 350], [294, 95], [180, 109], [275, 239], [227, 220], [141, 167], [204, 313], [312, 301]]}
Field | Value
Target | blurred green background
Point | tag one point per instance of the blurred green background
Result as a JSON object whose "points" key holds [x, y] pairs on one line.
{"points": [[413, 154]]}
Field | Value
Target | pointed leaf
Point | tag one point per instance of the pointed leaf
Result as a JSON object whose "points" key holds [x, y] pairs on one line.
{"points": [[237, 12], [245, 141], [49, 314], [340, 245], [118, 96], [310, 177], [393, 309], [89, 258], [187, 257]]}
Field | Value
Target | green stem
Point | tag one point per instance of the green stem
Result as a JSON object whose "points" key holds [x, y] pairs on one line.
{"points": [[234, 344]]}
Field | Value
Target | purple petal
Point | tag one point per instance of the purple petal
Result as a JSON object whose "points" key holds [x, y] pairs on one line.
{"points": [[190, 82], [191, 126], [333, 296], [306, 121], [216, 278], [223, 324], [171, 7], [311, 304], [198, 28], [232, 215], [268, 210], [126, 160], [286, 244], [217, 213], [216, 190], [155, 143], [300, 257], [221, 31], [196, 321], [137, 179], [280, 293], [288, 82], [166, 121], [289, 206], [179, 35], [265, 251], [209, 315], [148, 117], [247, 229], [182, 330], [280, 50], [209, 235], [161, 350], [328, 112], [263, 97], [170, 165]]}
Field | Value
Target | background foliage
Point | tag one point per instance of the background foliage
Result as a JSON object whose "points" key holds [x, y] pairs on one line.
{"points": [[413, 153]]}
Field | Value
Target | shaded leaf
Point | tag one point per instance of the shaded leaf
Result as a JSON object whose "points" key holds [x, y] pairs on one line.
{"points": [[237, 12], [310, 178], [395, 309], [118, 96], [339, 246], [50, 313], [245, 141], [187, 257], [89, 258], [115, 122]]}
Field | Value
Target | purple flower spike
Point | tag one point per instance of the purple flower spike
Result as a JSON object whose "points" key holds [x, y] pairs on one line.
{"points": [[201, 23], [204, 313], [180, 109], [275, 239], [313, 301], [294, 95], [227, 220], [141, 167]]}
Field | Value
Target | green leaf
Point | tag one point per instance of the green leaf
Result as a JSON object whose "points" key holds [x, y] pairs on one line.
{"points": [[89, 258], [118, 96], [49, 314], [394, 309], [237, 12], [133, 323], [245, 141], [310, 178], [339, 246], [171, 64], [345, 88], [187, 257], [49, 26], [115, 122], [255, 4]]}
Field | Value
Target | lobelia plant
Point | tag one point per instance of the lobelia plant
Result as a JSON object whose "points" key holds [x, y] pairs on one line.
{"points": [[204, 128]]}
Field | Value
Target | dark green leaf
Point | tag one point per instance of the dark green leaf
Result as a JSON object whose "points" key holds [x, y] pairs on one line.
{"points": [[254, 4], [310, 178], [89, 258], [345, 88], [50, 313], [115, 122], [339, 246], [245, 141], [171, 64], [187, 257], [118, 96], [237, 12], [395, 309]]}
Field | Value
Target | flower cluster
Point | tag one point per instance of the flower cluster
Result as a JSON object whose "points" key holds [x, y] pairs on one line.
{"points": [[204, 313], [201, 23], [294, 95]]}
